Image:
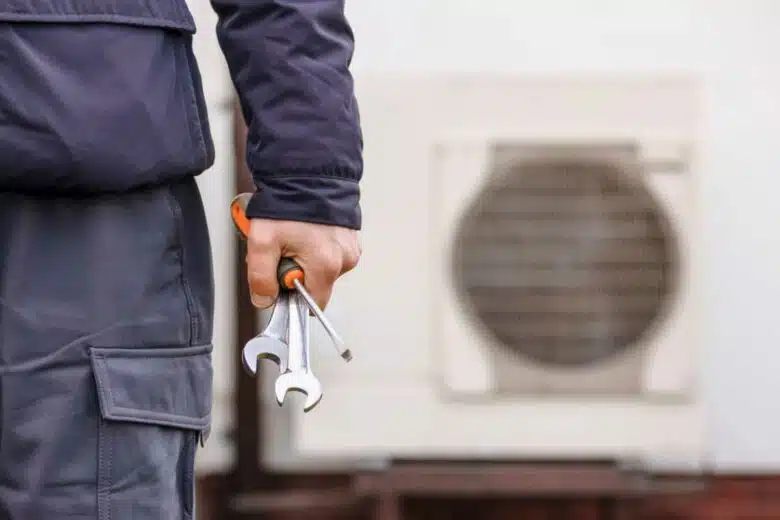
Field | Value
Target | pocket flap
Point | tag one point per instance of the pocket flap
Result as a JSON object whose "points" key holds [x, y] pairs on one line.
{"points": [[163, 386]]}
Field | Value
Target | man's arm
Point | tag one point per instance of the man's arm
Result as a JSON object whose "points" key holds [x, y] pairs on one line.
{"points": [[289, 61]]}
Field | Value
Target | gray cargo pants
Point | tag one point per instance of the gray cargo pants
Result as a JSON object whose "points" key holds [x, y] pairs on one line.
{"points": [[105, 354]]}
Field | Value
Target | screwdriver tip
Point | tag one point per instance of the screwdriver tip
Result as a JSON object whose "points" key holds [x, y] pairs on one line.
{"points": [[347, 355]]}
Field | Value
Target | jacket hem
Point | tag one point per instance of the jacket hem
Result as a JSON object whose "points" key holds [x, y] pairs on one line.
{"points": [[99, 18]]}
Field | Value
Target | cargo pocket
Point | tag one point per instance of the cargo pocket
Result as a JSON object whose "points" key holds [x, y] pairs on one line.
{"points": [[155, 406]]}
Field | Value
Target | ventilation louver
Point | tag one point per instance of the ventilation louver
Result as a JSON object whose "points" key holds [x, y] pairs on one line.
{"points": [[567, 262]]}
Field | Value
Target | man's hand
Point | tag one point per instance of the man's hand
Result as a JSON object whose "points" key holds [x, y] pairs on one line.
{"points": [[323, 252]]}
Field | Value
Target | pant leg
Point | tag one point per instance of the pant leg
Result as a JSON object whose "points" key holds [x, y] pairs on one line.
{"points": [[105, 354]]}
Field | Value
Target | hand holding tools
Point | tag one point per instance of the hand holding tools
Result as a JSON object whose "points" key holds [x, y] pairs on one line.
{"points": [[285, 340], [290, 275]]}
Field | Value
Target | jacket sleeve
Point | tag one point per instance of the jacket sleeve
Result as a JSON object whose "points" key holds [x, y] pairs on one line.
{"points": [[289, 60]]}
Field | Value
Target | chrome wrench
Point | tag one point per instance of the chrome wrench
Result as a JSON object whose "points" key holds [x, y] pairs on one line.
{"points": [[272, 342], [298, 377]]}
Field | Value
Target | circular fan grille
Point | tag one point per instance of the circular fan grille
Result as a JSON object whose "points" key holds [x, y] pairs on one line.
{"points": [[566, 262]]}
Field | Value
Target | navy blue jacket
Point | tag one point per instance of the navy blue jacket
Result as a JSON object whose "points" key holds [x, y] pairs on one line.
{"points": [[104, 96]]}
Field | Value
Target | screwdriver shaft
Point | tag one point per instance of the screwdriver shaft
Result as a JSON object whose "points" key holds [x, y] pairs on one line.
{"points": [[341, 347]]}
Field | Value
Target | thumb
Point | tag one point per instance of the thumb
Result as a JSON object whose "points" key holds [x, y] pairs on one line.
{"points": [[263, 254]]}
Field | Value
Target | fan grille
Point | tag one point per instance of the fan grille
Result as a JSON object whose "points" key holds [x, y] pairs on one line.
{"points": [[566, 262]]}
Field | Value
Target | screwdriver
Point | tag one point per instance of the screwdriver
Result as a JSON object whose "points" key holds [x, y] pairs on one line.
{"points": [[289, 274]]}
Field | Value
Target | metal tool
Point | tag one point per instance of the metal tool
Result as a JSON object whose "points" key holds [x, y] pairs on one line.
{"points": [[272, 342], [285, 339], [299, 377], [290, 275], [341, 347]]}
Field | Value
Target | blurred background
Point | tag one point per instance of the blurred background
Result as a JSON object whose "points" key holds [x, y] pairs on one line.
{"points": [[566, 306]]}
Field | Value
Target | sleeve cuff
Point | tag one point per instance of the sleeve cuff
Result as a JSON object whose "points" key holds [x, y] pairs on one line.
{"points": [[317, 199]]}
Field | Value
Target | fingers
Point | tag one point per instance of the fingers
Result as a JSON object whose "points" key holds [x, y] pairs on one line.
{"points": [[263, 255], [323, 265], [352, 252], [321, 270]]}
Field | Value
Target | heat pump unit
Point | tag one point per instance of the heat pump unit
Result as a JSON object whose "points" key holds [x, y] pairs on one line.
{"points": [[528, 286]]}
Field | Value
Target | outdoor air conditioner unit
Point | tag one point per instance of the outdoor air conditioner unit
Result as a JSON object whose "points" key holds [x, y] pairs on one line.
{"points": [[528, 285]]}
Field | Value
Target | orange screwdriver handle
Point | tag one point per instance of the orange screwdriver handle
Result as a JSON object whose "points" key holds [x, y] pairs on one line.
{"points": [[289, 271], [238, 213]]}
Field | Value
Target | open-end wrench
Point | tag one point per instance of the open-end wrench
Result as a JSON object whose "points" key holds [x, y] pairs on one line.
{"points": [[271, 343], [299, 377], [289, 273]]}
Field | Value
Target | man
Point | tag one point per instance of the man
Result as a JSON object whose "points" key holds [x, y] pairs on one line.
{"points": [[105, 271]]}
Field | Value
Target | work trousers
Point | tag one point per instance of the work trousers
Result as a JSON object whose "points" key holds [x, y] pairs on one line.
{"points": [[106, 308]]}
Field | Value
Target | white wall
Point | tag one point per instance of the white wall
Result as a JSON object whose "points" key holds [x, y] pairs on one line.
{"points": [[733, 44]]}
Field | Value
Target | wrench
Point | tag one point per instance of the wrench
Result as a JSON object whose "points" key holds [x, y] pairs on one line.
{"points": [[270, 344], [299, 377]]}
